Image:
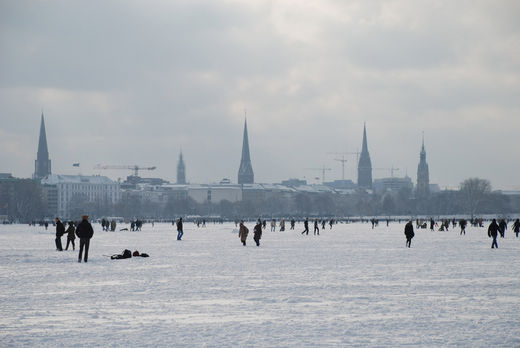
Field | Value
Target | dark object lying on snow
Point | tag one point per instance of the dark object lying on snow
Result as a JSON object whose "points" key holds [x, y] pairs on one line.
{"points": [[126, 254]]}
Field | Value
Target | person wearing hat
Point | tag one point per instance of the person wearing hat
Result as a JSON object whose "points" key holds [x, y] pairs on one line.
{"points": [[84, 232]]}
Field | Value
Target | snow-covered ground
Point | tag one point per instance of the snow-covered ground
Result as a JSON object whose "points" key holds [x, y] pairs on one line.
{"points": [[350, 286]]}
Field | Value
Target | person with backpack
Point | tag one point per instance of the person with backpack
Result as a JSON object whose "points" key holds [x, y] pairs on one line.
{"points": [[408, 232], [84, 231], [60, 231]]}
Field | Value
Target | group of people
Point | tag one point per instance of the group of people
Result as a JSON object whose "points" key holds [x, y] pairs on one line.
{"points": [[108, 225], [243, 231], [494, 229], [83, 231]]}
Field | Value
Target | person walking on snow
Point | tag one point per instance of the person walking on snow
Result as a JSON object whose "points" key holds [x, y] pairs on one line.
{"points": [[306, 226], [463, 224], [70, 235], [84, 233], [60, 231], [408, 232], [316, 228], [180, 232], [493, 232], [257, 233], [243, 232], [502, 227], [516, 227]]}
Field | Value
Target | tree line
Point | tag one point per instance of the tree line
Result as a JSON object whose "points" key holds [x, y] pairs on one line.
{"points": [[23, 200]]}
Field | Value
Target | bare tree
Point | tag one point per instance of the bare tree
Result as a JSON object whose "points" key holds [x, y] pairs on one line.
{"points": [[473, 191]]}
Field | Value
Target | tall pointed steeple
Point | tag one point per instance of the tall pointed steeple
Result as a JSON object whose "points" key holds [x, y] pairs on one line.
{"points": [[364, 165], [181, 171], [423, 174], [42, 164], [245, 172]]}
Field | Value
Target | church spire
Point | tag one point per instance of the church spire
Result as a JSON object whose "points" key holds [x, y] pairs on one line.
{"points": [[181, 170], [42, 164], [423, 174], [364, 165], [245, 172]]}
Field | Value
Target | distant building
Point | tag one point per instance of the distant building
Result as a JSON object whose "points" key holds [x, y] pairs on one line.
{"points": [[423, 175], [181, 171], [63, 191], [42, 164], [341, 184], [245, 172], [364, 165], [215, 193], [393, 184], [294, 182]]}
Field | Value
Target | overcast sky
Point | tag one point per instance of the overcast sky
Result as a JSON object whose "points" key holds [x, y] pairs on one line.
{"points": [[133, 82]]}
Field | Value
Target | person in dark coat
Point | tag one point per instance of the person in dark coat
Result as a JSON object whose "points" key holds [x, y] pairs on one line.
{"points": [[70, 236], [60, 231], [243, 232], [306, 226], [257, 233], [516, 227], [180, 233], [408, 232], [84, 232], [502, 227], [316, 228], [462, 224], [493, 232]]}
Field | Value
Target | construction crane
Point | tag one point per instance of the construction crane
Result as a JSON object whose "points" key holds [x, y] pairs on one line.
{"points": [[392, 170], [343, 160], [323, 169], [135, 168]]}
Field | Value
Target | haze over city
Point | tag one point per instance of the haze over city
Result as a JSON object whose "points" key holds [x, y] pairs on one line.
{"points": [[126, 82]]}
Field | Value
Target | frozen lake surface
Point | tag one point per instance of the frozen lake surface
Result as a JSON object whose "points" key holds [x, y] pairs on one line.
{"points": [[350, 286]]}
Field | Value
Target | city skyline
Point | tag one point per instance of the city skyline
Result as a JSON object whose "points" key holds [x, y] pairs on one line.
{"points": [[135, 83]]}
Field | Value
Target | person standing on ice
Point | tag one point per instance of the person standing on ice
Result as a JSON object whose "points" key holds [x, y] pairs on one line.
{"points": [[293, 222], [493, 233], [502, 227], [408, 232], [516, 227], [316, 228], [243, 232], [257, 233], [463, 224], [60, 231], [306, 226], [180, 232], [84, 231], [70, 235], [282, 225]]}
